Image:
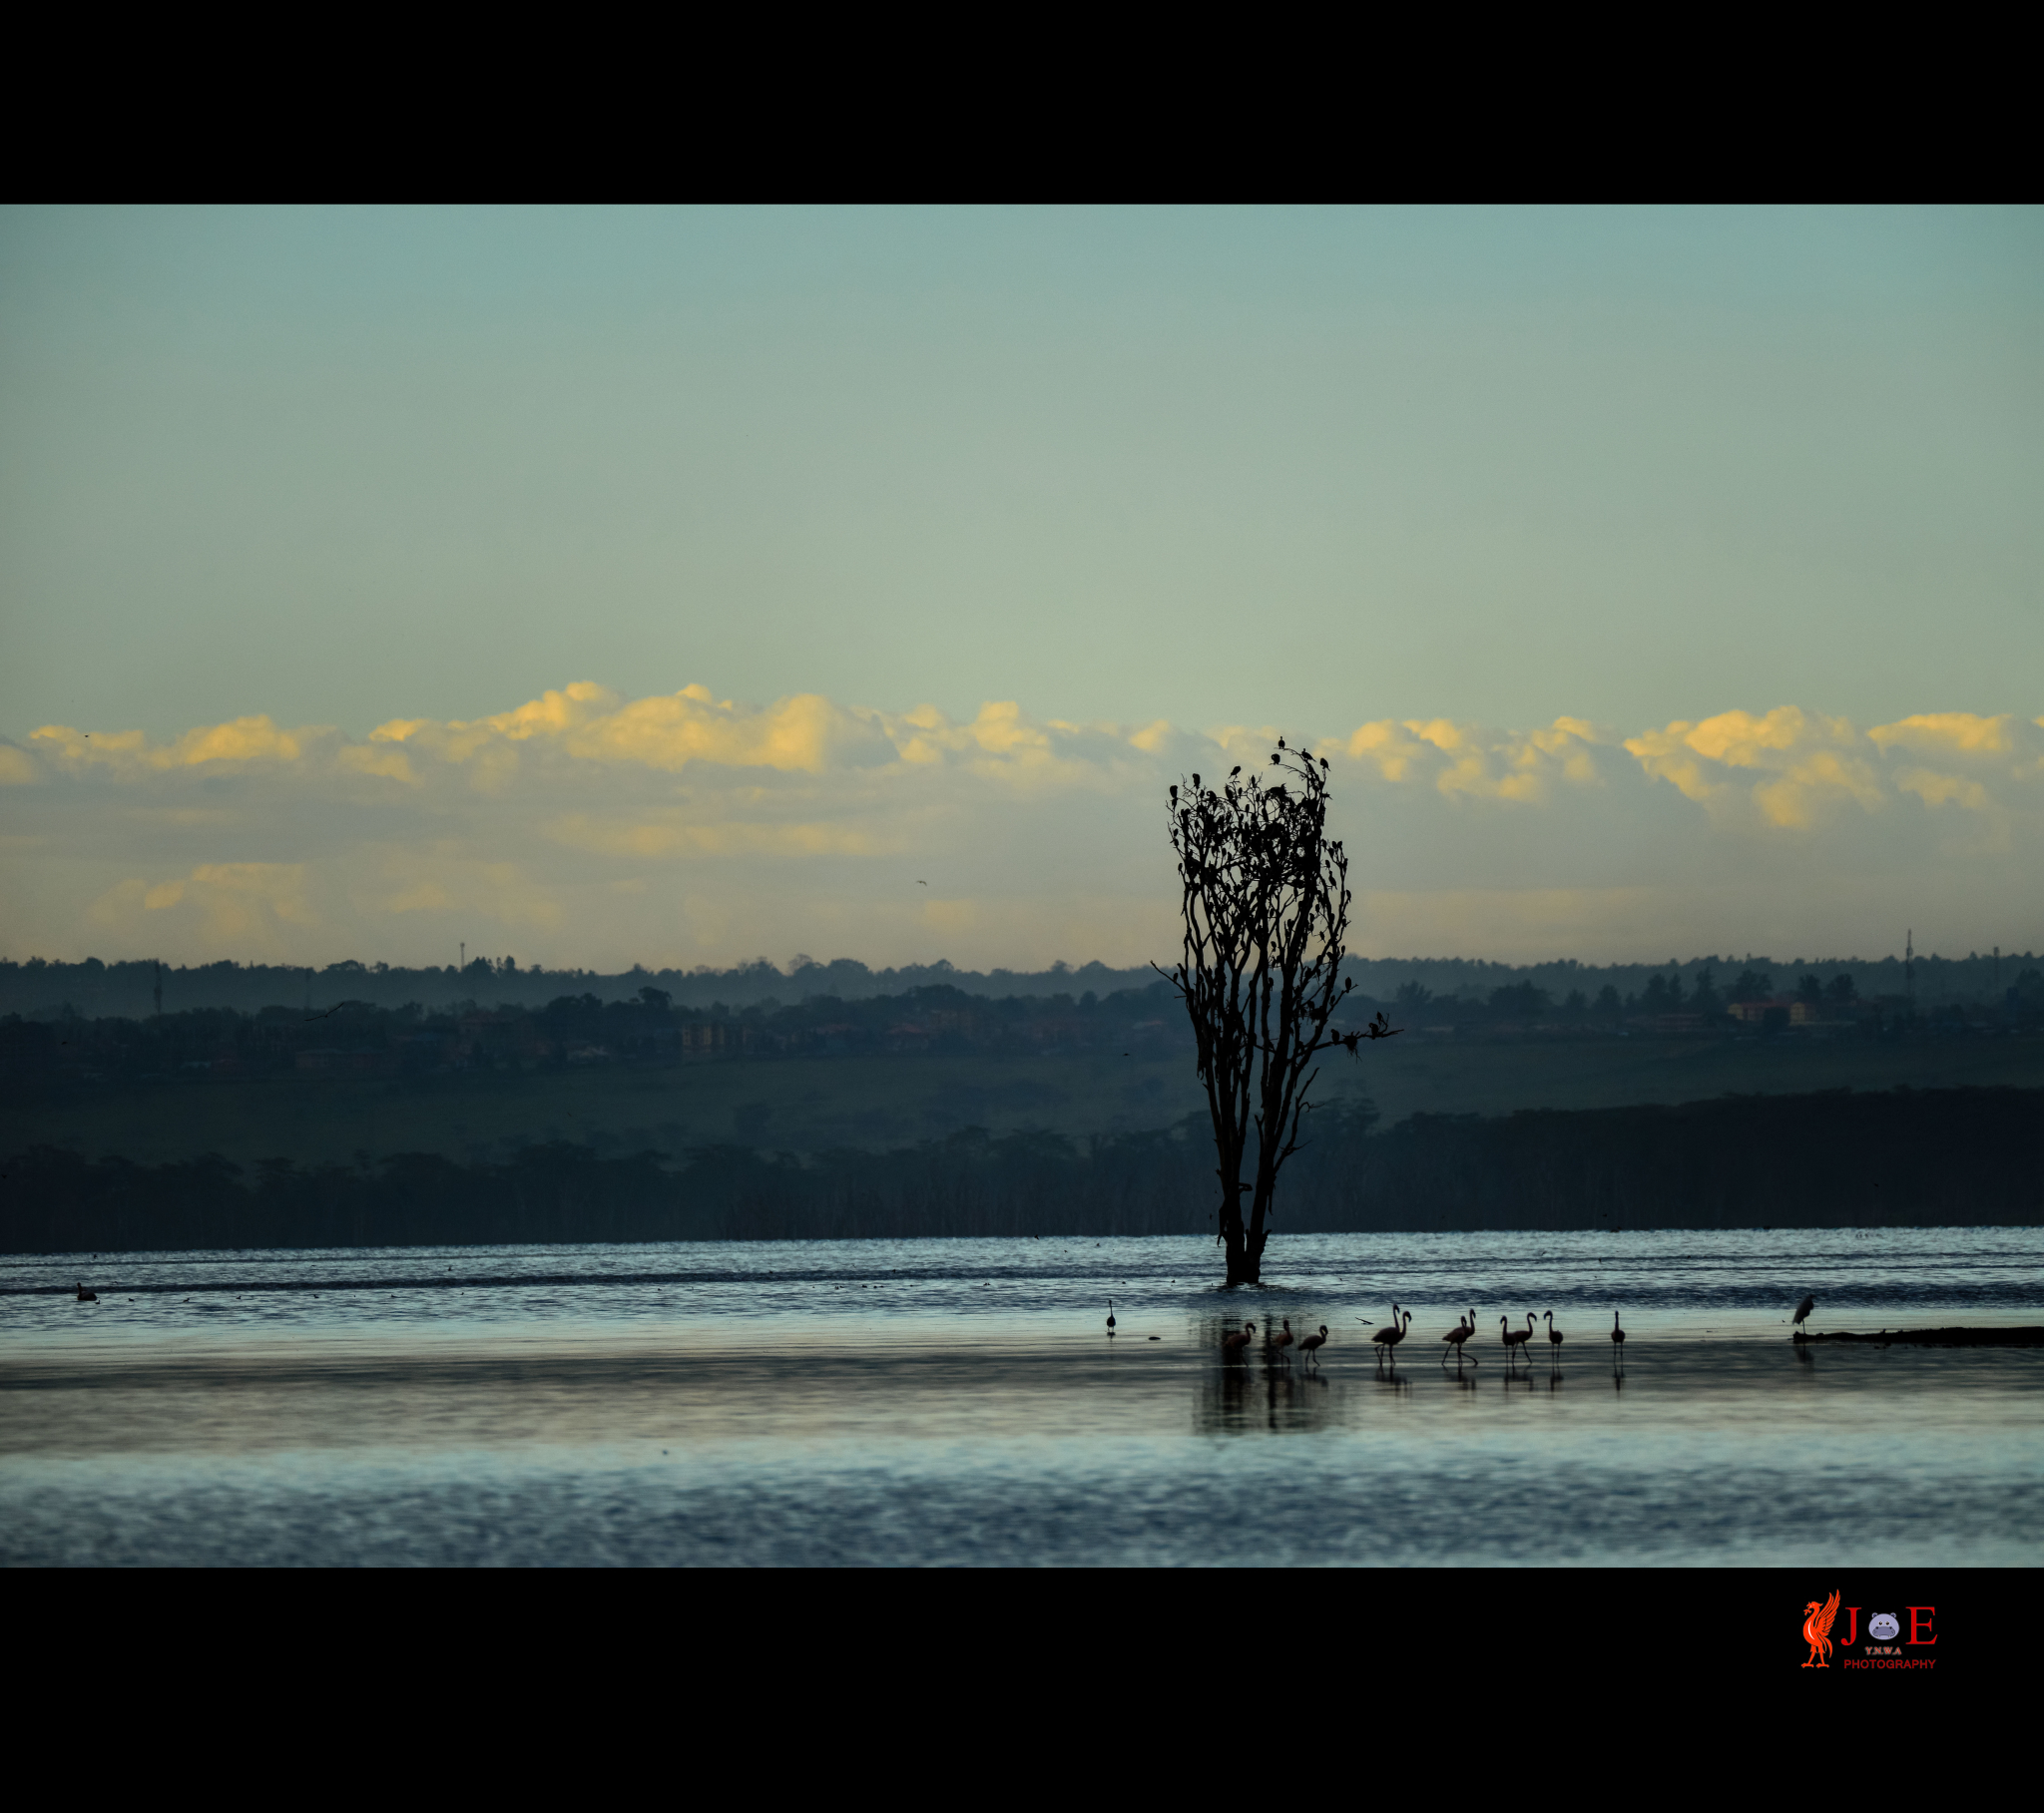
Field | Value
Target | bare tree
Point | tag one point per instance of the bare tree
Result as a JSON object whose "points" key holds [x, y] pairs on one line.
{"points": [[1266, 906]]}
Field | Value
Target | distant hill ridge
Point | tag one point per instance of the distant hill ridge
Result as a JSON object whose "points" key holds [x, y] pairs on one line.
{"points": [[1962, 1158], [126, 988]]}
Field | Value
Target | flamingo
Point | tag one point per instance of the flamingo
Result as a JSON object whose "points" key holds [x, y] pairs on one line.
{"points": [[1391, 1334], [1232, 1344], [1283, 1341], [1312, 1345], [1456, 1336], [87, 1296], [1617, 1338], [1110, 1318], [1515, 1338], [1554, 1338]]}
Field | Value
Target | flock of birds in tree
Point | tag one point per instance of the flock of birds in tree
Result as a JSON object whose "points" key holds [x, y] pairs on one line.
{"points": [[1235, 1343]]}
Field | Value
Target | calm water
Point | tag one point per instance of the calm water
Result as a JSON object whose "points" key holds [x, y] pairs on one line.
{"points": [[958, 1402]]}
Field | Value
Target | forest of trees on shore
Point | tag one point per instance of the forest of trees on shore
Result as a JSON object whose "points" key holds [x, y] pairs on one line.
{"points": [[129, 987], [650, 1028], [1927, 1157]]}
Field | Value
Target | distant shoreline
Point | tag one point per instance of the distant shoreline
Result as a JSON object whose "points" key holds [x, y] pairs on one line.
{"points": [[1934, 1337], [1967, 1158]]}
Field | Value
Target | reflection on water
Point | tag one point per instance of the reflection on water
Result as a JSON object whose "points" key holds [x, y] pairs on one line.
{"points": [[960, 1401]]}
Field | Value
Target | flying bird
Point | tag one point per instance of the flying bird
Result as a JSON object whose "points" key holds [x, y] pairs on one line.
{"points": [[919, 882]]}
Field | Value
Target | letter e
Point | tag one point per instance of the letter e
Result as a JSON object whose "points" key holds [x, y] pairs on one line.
{"points": [[1924, 1623]]}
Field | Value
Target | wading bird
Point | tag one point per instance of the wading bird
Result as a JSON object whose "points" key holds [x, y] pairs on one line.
{"points": [[1803, 1308], [1393, 1333], [87, 1296], [1554, 1338], [1515, 1338], [1456, 1336], [1110, 1318], [1313, 1344], [1617, 1337], [1280, 1342], [1234, 1342]]}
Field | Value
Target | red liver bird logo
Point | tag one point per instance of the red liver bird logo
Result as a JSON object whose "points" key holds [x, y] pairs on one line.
{"points": [[1816, 1630]]}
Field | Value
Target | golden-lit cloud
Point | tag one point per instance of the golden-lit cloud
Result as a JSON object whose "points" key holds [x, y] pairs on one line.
{"points": [[244, 739], [681, 828], [1958, 732], [1784, 769]]}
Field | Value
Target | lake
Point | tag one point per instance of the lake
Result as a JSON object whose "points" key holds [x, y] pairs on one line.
{"points": [[953, 1402]]}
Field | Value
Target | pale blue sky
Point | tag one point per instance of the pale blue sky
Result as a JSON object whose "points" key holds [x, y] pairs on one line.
{"points": [[1294, 468]]}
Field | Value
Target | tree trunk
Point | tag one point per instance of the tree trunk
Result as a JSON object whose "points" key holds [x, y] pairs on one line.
{"points": [[1241, 1268], [1245, 1246]]}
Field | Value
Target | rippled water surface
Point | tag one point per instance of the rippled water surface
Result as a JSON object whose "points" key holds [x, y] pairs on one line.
{"points": [[961, 1402]]}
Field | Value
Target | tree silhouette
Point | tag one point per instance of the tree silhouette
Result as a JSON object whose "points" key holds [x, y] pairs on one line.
{"points": [[1264, 899]]}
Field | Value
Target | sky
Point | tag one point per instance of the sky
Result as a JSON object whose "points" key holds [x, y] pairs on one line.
{"points": [[600, 587]]}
